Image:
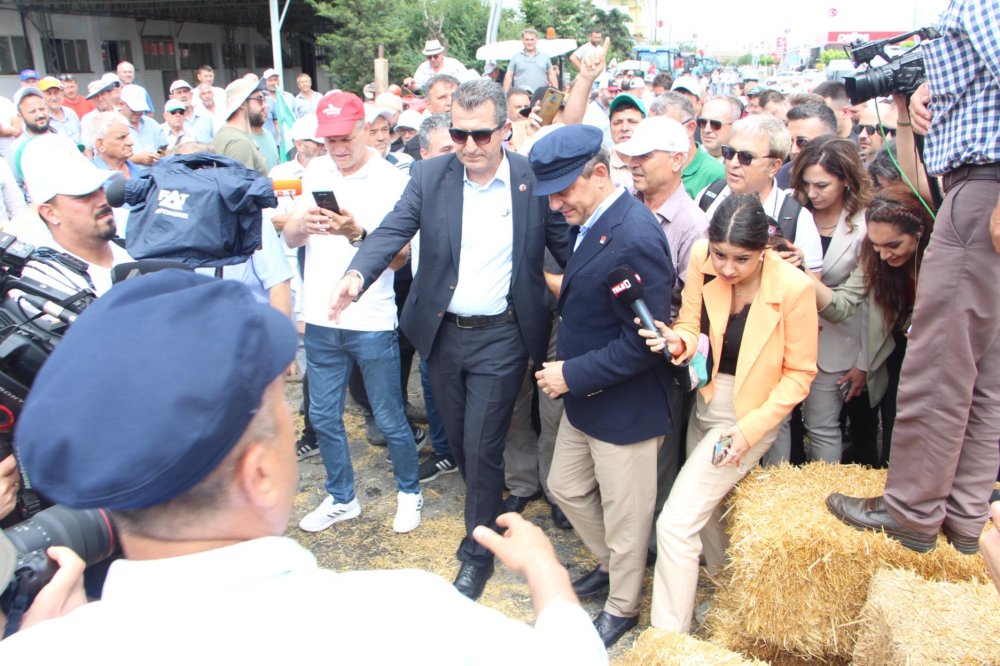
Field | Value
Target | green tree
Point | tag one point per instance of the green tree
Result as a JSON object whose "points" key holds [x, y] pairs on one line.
{"points": [[613, 24], [402, 27], [831, 54], [569, 17]]}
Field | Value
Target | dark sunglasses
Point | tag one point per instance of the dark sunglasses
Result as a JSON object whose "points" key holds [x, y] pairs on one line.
{"points": [[177, 112], [481, 137], [256, 98], [716, 124], [745, 157], [872, 130]]}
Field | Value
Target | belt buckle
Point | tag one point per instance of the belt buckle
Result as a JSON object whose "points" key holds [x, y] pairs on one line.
{"points": [[458, 322]]}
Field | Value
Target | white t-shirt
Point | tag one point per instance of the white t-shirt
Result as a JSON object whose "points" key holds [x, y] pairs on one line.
{"points": [[68, 281], [369, 194]]}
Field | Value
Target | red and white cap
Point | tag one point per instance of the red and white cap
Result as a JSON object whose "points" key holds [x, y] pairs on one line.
{"points": [[337, 113]]}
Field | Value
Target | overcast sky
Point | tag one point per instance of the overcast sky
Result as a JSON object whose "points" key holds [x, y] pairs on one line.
{"points": [[736, 24]]}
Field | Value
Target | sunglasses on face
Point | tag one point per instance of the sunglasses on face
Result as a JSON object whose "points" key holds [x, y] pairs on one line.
{"points": [[177, 112], [745, 157], [480, 137], [256, 98], [715, 124], [872, 130]]}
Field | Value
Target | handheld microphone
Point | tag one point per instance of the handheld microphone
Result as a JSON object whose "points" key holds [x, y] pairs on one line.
{"points": [[626, 286], [45, 305]]}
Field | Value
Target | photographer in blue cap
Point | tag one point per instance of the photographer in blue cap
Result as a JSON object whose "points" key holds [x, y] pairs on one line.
{"points": [[164, 403], [615, 392]]}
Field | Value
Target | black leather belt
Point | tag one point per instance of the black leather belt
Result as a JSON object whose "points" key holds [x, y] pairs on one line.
{"points": [[972, 172], [479, 321]]}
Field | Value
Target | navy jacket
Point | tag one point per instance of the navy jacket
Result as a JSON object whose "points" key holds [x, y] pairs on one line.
{"points": [[432, 204], [619, 390]]}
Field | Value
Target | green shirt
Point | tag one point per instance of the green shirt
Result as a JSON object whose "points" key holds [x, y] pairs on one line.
{"points": [[236, 144], [702, 172]]}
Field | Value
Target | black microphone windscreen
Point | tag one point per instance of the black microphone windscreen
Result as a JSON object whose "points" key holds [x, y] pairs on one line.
{"points": [[625, 284], [115, 192]]}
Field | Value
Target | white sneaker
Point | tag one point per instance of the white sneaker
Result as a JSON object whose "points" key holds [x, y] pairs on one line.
{"points": [[408, 506], [328, 513]]}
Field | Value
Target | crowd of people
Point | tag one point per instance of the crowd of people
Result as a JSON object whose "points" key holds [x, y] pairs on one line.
{"points": [[620, 305]]}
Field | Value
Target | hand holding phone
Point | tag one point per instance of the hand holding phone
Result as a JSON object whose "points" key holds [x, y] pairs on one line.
{"points": [[721, 450], [326, 200]]}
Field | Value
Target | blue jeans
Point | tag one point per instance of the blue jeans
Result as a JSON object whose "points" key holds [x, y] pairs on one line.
{"points": [[330, 355], [439, 441]]}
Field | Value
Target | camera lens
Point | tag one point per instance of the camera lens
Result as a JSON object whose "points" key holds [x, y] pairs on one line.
{"points": [[89, 533]]}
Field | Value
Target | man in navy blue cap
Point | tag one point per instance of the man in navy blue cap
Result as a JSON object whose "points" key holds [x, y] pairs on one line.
{"points": [[616, 396], [149, 407]]}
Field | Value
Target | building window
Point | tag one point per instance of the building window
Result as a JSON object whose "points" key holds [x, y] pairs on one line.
{"points": [[262, 58], [14, 55], [114, 52], [195, 55], [158, 53], [70, 55], [234, 56]]}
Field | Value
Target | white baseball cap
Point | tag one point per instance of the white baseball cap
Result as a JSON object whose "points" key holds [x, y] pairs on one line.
{"points": [[268, 73], [304, 129], [656, 133], [179, 83], [134, 97], [688, 83], [52, 164], [410, 119], [373, 112]]}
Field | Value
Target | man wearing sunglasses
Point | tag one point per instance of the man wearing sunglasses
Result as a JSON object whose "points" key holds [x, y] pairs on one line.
{"points": [[805, 123], [244, 97], [436, 63], [716, 123], [876, 124], [478, 308], [173, 125]]}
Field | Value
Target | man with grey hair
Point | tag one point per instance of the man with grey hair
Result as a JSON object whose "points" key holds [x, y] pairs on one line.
{"points": [[716, 123], [434, 137], [439, 90], [477, 310], [530, 69], [756, 150], [699, 169]]}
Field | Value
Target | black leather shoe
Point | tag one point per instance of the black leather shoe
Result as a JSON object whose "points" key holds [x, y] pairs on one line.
{"points": [[472, 579], [869, 513], [611, 627], [592, 584], [517, 504], [559, 518], [967, 545]]}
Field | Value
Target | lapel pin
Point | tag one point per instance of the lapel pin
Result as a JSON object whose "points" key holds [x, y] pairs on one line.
{"points": [[522, 188], [603, 238]]}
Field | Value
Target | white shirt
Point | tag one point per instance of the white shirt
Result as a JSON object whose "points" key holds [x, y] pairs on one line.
{"points": [[7, 114], [449, 66], [266, 602], [65, 280], [484, 268], [369, 194], [806, 234], [266, 268]]}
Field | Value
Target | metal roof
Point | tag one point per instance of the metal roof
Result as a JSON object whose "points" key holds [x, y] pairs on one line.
{"points": [[301, 18]]}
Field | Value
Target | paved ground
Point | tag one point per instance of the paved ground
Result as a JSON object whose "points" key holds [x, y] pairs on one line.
{"points": [[368, 542]]}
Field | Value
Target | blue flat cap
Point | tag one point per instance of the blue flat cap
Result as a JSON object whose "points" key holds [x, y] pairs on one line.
{"points": [[558, 158], [149, 390]]}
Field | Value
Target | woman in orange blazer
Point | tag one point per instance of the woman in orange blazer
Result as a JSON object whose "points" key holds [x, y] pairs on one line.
{"points": [[762, 332]]}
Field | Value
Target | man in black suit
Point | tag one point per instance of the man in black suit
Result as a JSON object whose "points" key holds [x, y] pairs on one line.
{"points": [[616, 393], [478, 309]]}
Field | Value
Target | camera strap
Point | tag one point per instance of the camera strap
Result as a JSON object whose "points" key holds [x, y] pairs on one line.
{"points": [[15, 601]]}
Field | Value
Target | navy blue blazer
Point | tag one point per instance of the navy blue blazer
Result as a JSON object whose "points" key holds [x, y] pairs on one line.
{"points": [[618, 390], [432, 204]]}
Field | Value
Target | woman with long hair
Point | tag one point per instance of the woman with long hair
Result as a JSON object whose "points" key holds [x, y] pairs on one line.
{"points": [[899, 227], [758, 315], [830, 180]]}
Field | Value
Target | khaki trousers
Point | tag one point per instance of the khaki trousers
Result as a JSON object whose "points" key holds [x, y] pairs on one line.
{"points": [[694, 508], [607, 491]]}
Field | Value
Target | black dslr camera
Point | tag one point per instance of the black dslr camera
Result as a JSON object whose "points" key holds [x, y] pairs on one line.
{"points": [[902, 74]]}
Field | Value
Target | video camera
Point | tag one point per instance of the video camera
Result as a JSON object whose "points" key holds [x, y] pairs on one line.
{"points": [[902, 74]]}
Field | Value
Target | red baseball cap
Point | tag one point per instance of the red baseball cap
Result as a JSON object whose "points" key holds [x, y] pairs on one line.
{"points": [[337, 113]]}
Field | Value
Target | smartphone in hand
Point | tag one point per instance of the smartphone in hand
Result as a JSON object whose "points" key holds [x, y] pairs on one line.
{"points": [[326, 200], [721, 450]]}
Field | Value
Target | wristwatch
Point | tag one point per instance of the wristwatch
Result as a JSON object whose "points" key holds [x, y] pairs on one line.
{"points": [[360, 238]]}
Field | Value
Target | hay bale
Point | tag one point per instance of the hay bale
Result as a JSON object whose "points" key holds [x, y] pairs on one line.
{"points": [[909, 620], [656, 647], [797, 577]]}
